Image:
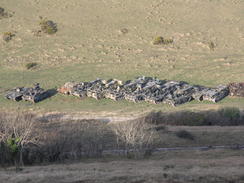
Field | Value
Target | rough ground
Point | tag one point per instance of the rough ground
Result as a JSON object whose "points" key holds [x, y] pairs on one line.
{"points": [[113, 39], [216, 166]]}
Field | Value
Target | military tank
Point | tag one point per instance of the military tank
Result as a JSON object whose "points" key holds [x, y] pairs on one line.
{"points": [[34, 94]]}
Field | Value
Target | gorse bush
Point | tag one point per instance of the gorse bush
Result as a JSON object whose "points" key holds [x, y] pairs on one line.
{"points": [[30, 65], [211, 45], [162, 41], [2, 11], [7, 36], [4, 14], [13, 145], [48, 26]]}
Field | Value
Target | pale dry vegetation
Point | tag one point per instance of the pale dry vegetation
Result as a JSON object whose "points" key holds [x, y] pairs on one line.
{"points": [[215, 166], [37, 141], [32, 140], [137, 136], [16, 133]]}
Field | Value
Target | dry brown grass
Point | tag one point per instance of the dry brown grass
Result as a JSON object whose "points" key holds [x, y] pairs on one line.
{"points": [[197, 166], [63, 140]]}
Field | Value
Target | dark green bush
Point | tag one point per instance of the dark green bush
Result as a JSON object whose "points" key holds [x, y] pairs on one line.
{"points": [[211, 45], [191, 119], [7, 36], [4, 14], [30, 65], [48, 26], [13, 146], [230, 115], [162, 41]]}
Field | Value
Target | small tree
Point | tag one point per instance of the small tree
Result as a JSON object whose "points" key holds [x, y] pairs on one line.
{"points": [[16, 132], [137, 136]]}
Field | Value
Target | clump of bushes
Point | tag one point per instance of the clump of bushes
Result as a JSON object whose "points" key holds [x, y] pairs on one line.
{"points": [[4, 14], [7, 36], [184, 134], [1, 11], [48, 26], [231, 114], [226, 116], [211, 45], [30, 65], [16, 133], [162, 41]]}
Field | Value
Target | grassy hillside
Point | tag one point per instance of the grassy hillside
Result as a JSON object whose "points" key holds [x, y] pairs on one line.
{"points": [[113, 39]]}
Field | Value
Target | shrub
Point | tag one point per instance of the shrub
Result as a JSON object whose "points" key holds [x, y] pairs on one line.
{"points": [[16, 132], [48, 26], [211, 45], [231, 114], [154, 117], [7, 36], [4, 14], [192, 119], [184, 134], [185, 118], [30, 65], [162, 41], [1, 11]]}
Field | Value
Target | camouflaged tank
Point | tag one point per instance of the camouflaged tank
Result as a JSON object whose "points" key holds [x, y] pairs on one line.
{"points": [[35, 94], [210, 94]]}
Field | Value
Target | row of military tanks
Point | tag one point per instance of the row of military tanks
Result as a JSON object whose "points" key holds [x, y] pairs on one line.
{"points": [[142, 88]]}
